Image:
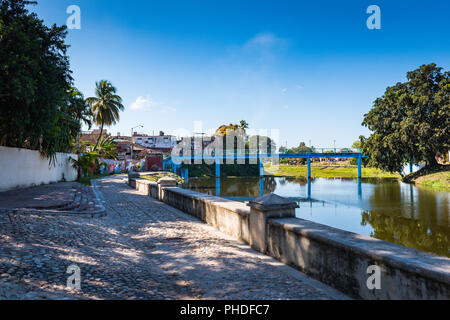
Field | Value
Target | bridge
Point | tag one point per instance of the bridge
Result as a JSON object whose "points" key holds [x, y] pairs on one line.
{"points": [[230, 157]]}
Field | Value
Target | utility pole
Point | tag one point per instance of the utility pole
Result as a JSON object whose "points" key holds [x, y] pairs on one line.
{"points": [[202, 134], [132, 142]]}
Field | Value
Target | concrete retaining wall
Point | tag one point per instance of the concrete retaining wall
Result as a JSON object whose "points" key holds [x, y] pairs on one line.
{"points": [[147, 187], [23, 168], [335, 257], [340, 259], [228, 216]]}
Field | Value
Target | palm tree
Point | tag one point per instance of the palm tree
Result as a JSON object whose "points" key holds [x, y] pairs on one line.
{"points": [[80, 109], [243, 125], [105, 105], [85, 164], [107, 148]]}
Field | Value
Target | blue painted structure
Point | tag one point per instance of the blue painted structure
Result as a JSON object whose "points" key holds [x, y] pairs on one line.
{"points": [[261, 192], [309, 168], [175, 164], [240, 154]]}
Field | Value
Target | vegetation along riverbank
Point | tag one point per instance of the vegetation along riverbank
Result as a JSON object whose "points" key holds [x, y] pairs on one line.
{"points": [[436, 177], [327, 172]]}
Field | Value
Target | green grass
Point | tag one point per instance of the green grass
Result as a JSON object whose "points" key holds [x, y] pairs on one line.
{"points": [[328, 172], [159, 175], [438, 180]]}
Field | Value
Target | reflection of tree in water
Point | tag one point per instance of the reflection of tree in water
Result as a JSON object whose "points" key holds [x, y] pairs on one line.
{"points": [[233, 187], [299, 180], [246, 187], [413, 225], [270, 184]]}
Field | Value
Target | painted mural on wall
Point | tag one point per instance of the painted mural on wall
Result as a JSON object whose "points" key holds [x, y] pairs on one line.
{"points": [[116, 166]]}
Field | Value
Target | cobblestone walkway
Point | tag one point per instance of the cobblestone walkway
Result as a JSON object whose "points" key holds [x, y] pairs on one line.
{"points": [[63, 198], [142, 249]]}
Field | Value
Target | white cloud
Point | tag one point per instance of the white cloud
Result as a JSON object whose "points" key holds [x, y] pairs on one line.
{"points": [[299, 86], [284, 90], [146, 103], [142, 103], [263, 48], [263, 40]]}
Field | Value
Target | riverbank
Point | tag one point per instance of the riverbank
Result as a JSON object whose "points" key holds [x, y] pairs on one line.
{"points": [[438, 177], [327, 172]]}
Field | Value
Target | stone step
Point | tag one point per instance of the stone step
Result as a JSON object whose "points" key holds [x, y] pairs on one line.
{"points": [[75, 203], [84, 202]]}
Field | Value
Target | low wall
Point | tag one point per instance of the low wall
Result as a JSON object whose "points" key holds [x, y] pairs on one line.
{"points": [[340, 259], [230, 217], [335, 257], [21, 168], [147, 187]]}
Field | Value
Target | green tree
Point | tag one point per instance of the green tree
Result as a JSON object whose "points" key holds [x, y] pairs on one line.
{"points": [[243, 125], [78, 107], [223, 129], [86, 164], [359, 144], [107, 148], [411, 121], [34, 82], [106, 105]]}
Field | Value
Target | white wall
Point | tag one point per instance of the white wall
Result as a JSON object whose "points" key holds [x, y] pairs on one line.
{"points": [[21, 168]]}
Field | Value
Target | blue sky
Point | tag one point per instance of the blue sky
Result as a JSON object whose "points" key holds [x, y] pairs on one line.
{"points": [[310, 69]]}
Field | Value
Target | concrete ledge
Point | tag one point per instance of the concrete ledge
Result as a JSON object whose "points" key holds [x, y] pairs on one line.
{"points": [[230, 217], [136, 175], [340, 259], [144, 186]]}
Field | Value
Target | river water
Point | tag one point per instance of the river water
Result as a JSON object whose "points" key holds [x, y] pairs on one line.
{"points": [[386, 209]]}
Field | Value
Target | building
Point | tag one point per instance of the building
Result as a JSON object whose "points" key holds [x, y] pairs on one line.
{"points": [[153, 159], [123, 148], [92, 136], [163, 143]]}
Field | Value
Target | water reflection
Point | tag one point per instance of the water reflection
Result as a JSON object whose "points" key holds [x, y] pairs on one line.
{"points": [[385, 209]]}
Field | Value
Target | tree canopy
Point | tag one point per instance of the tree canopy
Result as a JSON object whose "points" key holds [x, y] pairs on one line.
{"points": [[106, 105], [35, 80], [78, 107], [302, 148], [224, 129], [411, 121]]}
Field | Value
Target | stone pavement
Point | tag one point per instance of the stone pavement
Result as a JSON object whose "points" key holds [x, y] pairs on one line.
{"points": [[142, 249], [57, 198], [45, 196]]}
